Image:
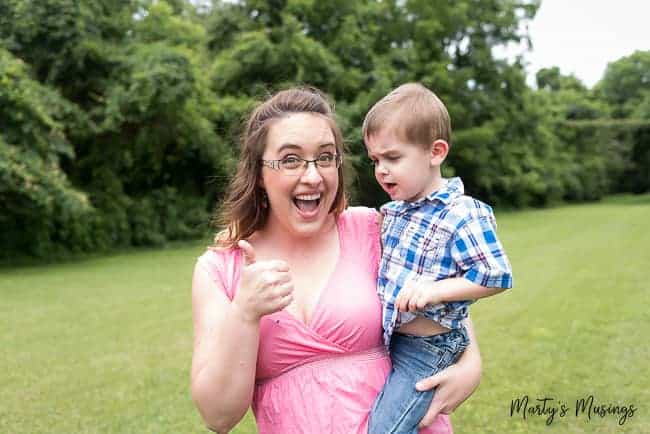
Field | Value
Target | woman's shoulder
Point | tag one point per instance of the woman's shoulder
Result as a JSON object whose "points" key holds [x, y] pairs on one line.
{"points": [[222, 265], [359, 221], [215, 255], [359, 211], [358, 215]]}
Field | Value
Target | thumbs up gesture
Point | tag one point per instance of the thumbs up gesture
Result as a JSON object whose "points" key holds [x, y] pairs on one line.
{"points": [[265, 286]]}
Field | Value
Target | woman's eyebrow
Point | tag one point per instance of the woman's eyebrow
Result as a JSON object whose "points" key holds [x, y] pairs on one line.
{"points": [[288, 146], [294, 146]]}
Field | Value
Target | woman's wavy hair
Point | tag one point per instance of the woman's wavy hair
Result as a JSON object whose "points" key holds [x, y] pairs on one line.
{"points": [[245, 208]]}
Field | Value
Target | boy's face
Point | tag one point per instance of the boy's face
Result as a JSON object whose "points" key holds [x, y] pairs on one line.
{"points": [[405, 171]]}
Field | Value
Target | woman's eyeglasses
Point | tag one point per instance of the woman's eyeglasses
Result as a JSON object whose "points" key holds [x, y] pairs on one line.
{"points": [[294, 165]]}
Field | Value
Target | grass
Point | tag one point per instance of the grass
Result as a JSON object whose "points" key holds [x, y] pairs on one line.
{"points": [[104, 345], [575, 325]]}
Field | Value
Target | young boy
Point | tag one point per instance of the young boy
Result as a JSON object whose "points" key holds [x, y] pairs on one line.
{"points": [[440, 251]]}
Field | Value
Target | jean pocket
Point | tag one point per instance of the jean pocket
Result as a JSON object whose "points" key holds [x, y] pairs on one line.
{"points": [[414, 354]]}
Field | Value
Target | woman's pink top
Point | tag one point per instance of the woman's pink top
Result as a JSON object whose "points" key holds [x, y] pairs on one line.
{"points": [[322, 377]]}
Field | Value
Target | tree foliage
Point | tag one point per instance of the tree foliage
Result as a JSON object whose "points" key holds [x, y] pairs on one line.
{"points": [[119, 118], [113, 115], [626, 86], [37, 198]]}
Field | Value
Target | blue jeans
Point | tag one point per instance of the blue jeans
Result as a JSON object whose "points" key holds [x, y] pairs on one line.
{"points": [[399, 407]]}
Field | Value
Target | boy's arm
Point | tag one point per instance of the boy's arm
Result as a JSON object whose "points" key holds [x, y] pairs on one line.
{"points": [[428, 292], [479, 256], [456, 289], [483, 265]]}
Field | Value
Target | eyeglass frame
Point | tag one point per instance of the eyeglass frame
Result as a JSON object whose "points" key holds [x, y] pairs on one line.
{"points": [[275, 164]]}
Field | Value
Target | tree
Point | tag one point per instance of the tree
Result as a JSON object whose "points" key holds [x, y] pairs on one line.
{"points": [[357, 51], [125, 113], [142, 141], [626, 83], [626, 88], [42, 211]]}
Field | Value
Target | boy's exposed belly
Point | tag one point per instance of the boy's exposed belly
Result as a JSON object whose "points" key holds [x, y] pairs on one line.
{"points": [[421, 326]]}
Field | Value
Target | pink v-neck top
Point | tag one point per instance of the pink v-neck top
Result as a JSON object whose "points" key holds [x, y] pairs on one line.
{"points": [[322, 377]]}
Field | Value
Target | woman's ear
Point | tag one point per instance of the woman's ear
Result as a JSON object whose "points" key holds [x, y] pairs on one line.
{"points": [[439, 151]]}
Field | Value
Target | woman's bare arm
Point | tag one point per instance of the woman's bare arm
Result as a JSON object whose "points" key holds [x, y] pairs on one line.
{"points": [[224, 357], [227, 334]]}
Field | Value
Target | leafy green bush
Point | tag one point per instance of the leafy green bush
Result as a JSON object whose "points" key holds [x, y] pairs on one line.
{"points": [[119, 119], [41, 209]]}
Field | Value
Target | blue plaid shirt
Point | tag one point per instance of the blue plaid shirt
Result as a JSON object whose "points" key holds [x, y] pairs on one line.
{"points": [[443, 235]]}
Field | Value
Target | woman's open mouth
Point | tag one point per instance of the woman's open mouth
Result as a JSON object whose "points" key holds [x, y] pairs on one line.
{"points": [[307, 204]]}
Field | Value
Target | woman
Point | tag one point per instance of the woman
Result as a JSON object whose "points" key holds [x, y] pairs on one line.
{"points": [[286, 316]]}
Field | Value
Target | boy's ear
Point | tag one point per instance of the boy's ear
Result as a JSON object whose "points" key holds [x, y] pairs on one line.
{"points": [[439, 151]]}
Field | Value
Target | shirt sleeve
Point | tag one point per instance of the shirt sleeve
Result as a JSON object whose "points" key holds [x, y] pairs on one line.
{"points": [[480, 255], [223, 267]]}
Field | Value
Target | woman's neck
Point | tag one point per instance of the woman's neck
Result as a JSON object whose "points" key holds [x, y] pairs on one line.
{"points": [[287, 244]]}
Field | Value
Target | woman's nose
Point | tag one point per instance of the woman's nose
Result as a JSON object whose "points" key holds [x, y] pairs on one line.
{"points": [[311, 174]]}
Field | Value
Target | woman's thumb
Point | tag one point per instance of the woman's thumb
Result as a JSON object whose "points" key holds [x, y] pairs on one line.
{"points": [[429, 382], [249, 252]]}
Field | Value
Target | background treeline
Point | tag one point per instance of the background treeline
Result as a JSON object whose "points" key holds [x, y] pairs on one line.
{"points": [[119, 118]]}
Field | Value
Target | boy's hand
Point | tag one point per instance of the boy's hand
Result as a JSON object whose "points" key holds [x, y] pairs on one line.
{"points": [[416, 295]]}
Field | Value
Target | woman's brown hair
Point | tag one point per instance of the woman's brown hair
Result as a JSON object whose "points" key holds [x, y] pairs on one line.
{"points": [[245, 208]]}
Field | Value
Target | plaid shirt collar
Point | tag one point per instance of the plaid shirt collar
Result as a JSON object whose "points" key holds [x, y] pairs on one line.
{"points": [[451, 189]]}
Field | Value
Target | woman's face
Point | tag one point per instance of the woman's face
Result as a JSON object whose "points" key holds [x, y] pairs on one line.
{"points": [[300, 202]]}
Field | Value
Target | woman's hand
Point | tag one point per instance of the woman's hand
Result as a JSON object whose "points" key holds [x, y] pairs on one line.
{"points": [[454, 384], [265, 287]]}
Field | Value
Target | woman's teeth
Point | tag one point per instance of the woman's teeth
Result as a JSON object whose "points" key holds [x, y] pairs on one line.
{"points": [[307, 202]]}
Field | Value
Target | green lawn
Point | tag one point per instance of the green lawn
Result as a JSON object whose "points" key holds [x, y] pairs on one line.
{"points": [[104, 345]]}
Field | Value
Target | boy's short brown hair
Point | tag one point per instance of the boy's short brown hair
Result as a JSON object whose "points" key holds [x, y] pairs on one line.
{"points": [[414, 113]]}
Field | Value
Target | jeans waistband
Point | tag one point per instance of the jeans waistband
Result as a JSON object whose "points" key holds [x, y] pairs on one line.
{"points": [[452, 335]]}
